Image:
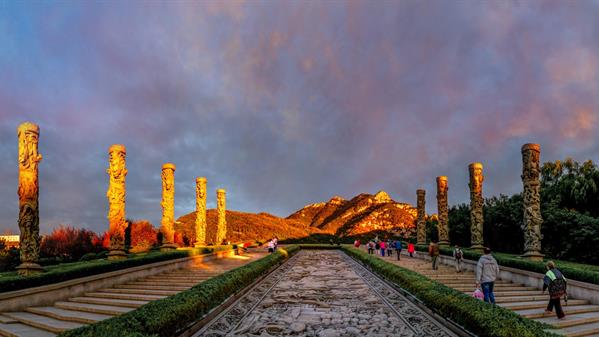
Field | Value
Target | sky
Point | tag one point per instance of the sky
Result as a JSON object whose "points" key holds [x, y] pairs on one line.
{"points": [[286, 103]]}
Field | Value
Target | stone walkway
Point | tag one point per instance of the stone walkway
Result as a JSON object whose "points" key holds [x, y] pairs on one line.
{"points": [[326, 294], [582, 318], [105, 303]]}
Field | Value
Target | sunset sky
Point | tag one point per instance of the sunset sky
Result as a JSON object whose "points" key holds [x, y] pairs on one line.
{"points": [[287, 103]]}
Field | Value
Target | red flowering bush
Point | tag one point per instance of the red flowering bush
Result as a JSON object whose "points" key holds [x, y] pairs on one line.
{"points": [[69, 243]]}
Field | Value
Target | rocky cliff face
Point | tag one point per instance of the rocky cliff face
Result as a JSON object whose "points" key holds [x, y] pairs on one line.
{"points": [[362, 214]]}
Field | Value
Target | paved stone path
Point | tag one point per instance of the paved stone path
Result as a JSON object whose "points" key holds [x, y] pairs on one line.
{"points": [[326, 294], [582, 318], [105, 303]]}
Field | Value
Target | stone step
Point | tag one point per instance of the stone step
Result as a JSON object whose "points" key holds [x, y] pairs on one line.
{"points": [[5, 319], [22, 330], [152, 287], [536, 304], [510, 288], [174, 281], [43, 322], [169, 283], [120, 296], [517, 293], [570, 320], [94, 308], [160, 279], [498, 284], [520, 298], [139, 291], [68, 315], [569, 310], [580, 330], [108, 301]]}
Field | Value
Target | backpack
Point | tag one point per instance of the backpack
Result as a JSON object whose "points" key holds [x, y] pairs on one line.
{"points": [[458, 254], [378, 246], [557, 287]]}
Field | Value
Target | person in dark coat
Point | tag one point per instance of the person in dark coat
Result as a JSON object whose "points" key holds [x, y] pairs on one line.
{"points": [[555, 281]]}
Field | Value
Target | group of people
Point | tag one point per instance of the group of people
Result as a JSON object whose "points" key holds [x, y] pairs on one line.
{"points": [[272, 244], [487, 271], [386, 247]]}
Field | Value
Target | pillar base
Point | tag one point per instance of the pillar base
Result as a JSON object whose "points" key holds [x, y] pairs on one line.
{"points": [[117, 254], [533, 255], [167, 247], [443, 243], [199, 245], [29, 268]]}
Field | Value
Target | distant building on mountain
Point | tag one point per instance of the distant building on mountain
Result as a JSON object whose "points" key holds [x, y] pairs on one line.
{"points": [[10, 240]]}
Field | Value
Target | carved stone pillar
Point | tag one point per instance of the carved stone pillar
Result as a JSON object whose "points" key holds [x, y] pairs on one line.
{"points": [[167, 227], [420, 221], [200, 223], [532, 201], [442, 210], [116, 194], [221, 206], [476, 205], [28, 191]]}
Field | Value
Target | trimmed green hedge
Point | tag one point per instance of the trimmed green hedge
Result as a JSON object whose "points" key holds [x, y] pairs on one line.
{"points": [[69, 271], [572, 271], [481, 318], [168, 316]]}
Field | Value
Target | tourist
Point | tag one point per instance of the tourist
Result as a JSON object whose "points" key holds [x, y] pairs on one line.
{"points": [[377, 245], [370, 246], [458, 255], [383, 246], [389, 246], [487, 271], [357, 243], [398, 248], [275, 241], [411, 249], [433, 251], [271, 246], [556, 282]]}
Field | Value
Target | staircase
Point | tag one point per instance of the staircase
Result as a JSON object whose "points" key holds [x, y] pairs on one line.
{"points": [[98, 305], [582, 318]]}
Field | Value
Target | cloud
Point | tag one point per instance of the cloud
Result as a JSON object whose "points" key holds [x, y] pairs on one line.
{"points": [[285, 104]]}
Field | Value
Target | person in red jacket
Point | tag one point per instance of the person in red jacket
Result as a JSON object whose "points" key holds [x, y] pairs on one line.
{"points": [[411, 249]]}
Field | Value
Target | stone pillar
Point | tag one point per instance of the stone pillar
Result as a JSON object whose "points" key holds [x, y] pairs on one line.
{"points": [[28, 191], [532, 201], [221, 207], [167, 227], [476, 205], [116, 193], [200, 223], [442, 211], [420, 221]]}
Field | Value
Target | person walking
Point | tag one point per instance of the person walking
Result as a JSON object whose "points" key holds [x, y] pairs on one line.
{"points": [[398, 248], [377, 245], [271, 246], [411, 249], [458, 255], [487, 271], [370, 246], [556, 282], [383, 246], [357, 243], [433, 251]]}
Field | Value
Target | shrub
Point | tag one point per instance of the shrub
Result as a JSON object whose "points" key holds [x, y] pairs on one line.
{"points": [[171, 315], [143, 236], [481, 318], [88, 257], [69, 243]]}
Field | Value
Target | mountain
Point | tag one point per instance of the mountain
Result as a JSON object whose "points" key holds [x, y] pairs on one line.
{"points": [[361, 214]]}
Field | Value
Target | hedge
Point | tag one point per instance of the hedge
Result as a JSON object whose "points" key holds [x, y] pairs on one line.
{"points": [[171, 315], [480, 318], [68, 271], [573, 271]]}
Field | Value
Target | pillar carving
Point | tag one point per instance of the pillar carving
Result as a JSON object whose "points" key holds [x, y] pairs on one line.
{"points": [[167, 225], [221, 206], [532, 201], [420, 220], [28, 192], [442, 210], [476, 204], [116, 195], [200, 222]]}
